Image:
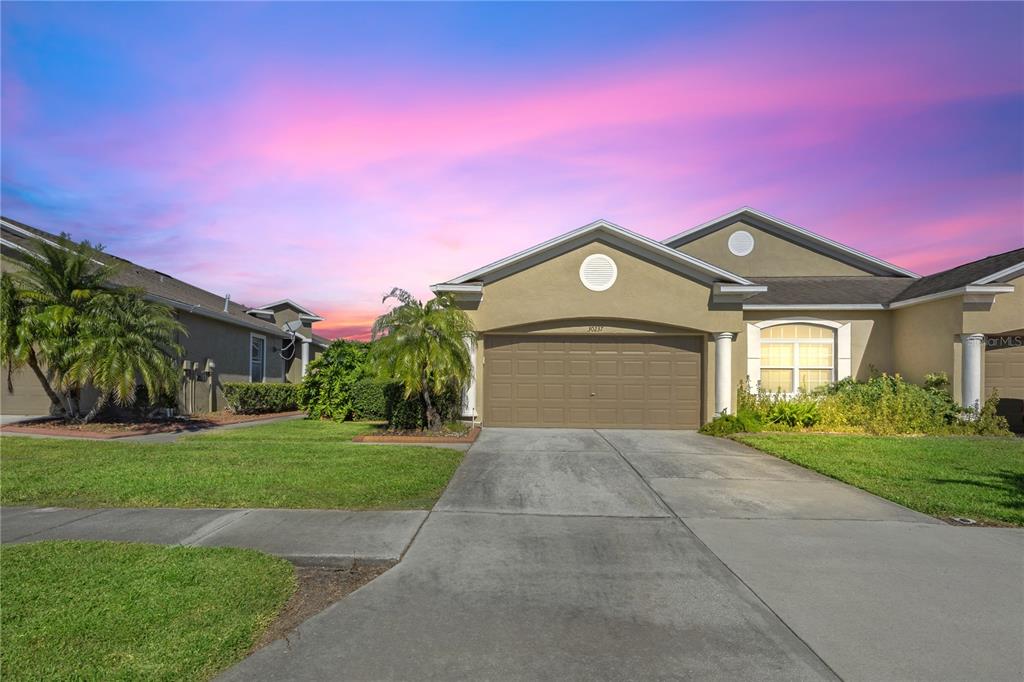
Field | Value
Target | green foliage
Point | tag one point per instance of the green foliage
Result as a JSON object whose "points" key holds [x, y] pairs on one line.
{"points": [[129, 611], [369, 400], [422, 347], [62, 316], [246, 398], [126, 339], [744, 421], [885, 404], [409, 413], [326, 391], [798, 411]]}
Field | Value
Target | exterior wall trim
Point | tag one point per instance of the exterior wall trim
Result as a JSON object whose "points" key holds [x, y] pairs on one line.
{"points": [[633, 242], [814, 306]]}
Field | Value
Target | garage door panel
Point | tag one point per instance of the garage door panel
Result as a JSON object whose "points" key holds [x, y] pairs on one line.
{"points": [[1004, 372], [634, 382]]}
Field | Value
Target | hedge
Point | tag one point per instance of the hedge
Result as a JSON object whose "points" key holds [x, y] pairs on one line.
{"points": [[369, 400], [245, 398]]}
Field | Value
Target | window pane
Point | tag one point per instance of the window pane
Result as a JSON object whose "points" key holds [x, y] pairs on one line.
{"points": [[815, 354], [813, 378], [773, 380], [777, 354], [797, 331], [256, 353]]}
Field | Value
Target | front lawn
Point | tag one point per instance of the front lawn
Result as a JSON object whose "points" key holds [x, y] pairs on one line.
{"points": [[104, 610], [292, 464], [977, 478]]}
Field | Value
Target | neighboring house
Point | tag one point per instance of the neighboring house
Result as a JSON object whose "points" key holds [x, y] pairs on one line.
{"points": [[225, 341], [605, 327]]}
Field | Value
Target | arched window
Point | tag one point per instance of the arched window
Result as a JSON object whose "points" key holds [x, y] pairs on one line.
{"points": [[797, 356]]}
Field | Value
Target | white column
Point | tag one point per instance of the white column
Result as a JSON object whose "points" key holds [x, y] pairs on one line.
{"points": [[469, 396], [305, 355], [723, 371], [973, 348]]}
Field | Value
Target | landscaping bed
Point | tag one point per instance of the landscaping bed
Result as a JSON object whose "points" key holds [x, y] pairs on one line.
{"points": [[54, 426], [294, 464], [417, 436], [105, 610], [318, 588], [976, 478]]}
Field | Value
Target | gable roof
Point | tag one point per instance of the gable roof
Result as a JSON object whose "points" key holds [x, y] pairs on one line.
{"points": [[982, 272], [789, 231], [613, 234], [158, 286], [304, 312]]}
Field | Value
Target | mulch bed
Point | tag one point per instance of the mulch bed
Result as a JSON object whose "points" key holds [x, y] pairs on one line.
{"points": [[317, 589], [419, 437], [105, 430]]}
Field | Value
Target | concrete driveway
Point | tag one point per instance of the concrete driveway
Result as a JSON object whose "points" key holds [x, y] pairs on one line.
{"points": [[581, 554]]}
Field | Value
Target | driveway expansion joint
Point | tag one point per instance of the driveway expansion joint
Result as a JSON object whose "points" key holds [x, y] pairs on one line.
{"points": [[719, 559]]}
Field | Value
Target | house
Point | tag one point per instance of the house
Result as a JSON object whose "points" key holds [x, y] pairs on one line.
{"points": [[225, 341], [603, 327]]}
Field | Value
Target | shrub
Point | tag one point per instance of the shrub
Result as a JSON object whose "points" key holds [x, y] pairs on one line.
{"points": [[407, 414], [326, 390], [885, 404], [369, 399], [744, 421], [245, 398]]}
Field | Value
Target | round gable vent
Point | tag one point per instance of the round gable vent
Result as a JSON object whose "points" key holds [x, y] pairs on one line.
{"points": [[741, 243], [598, 272]]}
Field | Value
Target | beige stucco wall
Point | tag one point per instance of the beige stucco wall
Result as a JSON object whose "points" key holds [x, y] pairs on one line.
{"points": [[772, 256], [645, 299], [926, 340]]}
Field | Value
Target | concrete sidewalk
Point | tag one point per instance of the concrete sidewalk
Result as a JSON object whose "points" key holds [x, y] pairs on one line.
{"points": [[308, 537]]}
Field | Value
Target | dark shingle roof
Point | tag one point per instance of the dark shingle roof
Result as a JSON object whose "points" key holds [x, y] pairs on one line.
{"points": [[323, 340], [169, 290], [829, 290], [962, 275]]}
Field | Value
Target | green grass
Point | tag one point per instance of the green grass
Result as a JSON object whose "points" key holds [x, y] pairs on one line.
{"points": [[118, 611], [977, 478], [292, 464]]}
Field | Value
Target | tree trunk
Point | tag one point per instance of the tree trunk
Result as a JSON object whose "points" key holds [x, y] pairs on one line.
{"points": [[101, 401], [433, 418], [33, 362]]}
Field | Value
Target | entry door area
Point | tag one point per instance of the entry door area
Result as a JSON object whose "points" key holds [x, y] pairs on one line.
{"points": [[590, 381]]}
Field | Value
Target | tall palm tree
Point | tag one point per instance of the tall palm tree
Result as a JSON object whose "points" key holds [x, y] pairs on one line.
{"points": [[423, 347], [123, 340], [15, 344]]}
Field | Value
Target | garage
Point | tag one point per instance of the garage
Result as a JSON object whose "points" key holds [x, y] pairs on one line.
{"points": [[1004, 372], [591, 381]]}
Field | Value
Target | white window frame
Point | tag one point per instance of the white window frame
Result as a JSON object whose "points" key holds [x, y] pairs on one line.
{"points": [[842, 364], [264, 372]]}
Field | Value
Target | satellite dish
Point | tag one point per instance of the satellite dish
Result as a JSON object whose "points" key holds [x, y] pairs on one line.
{"points": [[292, 327]]}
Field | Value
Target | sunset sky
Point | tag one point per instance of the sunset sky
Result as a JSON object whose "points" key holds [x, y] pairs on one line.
{"points": [[328, 152]]}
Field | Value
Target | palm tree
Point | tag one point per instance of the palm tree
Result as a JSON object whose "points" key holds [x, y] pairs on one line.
{"points": [[49, 297], [123, 340], [422, 346]]}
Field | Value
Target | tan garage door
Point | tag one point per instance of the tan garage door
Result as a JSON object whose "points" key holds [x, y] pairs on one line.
{"points": [[574, 381], [1004, 372]]}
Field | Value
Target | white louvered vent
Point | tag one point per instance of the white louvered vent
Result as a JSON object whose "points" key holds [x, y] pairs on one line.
{"points": [[741, 243], [598, 272]]}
